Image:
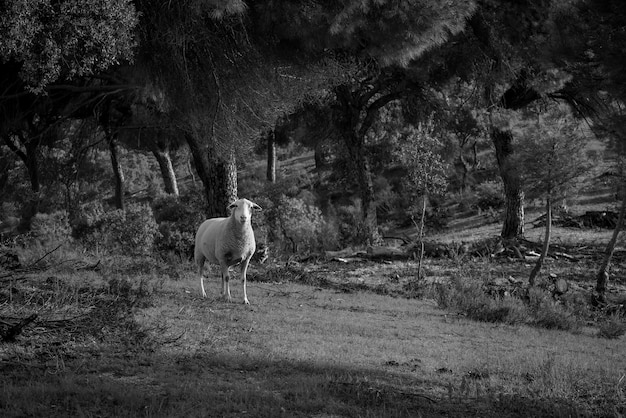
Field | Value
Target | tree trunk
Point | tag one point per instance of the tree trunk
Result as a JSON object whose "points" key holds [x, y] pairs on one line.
{"points": [[28, 155], [546, 244], [513, 225], [201, 163], [167, 170], [271, 157], [356, 150], [465, 168], [33, 167], [218, 175], [118, 172], [349, 119], [421, 239], [602, 277], [230, 167], [222, 182]]}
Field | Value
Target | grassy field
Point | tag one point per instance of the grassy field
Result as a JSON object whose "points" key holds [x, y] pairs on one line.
{"points": [[123, 337], [136, 339]]}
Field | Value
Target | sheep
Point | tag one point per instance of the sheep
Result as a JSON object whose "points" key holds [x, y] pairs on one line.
{"points": [[227, 242]]}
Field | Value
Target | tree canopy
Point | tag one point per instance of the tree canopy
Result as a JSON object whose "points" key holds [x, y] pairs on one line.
{"points": [[217, 75], [61, 40]]}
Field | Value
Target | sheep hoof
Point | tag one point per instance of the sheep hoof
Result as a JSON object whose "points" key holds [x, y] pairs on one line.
{"points": [[246, 302]]}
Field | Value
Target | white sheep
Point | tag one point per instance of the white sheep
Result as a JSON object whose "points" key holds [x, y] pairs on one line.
{"points": [[227, 242]]}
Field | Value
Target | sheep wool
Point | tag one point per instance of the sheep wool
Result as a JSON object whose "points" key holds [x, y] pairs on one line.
{"points": [[227, 242]]}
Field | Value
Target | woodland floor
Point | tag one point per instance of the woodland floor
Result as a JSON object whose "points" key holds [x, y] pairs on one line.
{"points": [[321, 339]]}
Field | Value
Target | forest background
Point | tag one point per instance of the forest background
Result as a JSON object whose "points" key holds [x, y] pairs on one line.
{"points": [[398, 148], [447, 96], [402, 105]]}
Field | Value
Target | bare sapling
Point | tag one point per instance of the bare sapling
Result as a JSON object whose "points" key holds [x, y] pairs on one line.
{"points": [[602, 278]]}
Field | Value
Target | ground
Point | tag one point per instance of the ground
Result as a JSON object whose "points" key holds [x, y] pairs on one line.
{"points": [[322, 339]]}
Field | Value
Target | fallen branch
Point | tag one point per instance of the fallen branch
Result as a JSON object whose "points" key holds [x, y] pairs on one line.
{"points": [[46, 254]]}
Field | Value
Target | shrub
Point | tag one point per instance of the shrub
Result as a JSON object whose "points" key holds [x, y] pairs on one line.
{"points": [[329, 234], [51, 228], [133, 231], [130, 231], [86, 226], [614, 327], [178, 219], [301, 224], [547, 313], [470, 298], [489, 194], [352, 230]]}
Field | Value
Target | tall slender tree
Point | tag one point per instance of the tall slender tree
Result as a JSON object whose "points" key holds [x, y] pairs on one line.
{"points": [[550, 154]]}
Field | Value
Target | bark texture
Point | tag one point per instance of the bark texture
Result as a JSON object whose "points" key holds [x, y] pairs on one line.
{"points": [[356, 150], [271, 157], [118, 172], [349, 121], [513, 224], [217, 173], [167, 170]]}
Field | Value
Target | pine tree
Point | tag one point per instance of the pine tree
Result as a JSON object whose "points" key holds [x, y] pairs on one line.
{"points": [[550, 157]]}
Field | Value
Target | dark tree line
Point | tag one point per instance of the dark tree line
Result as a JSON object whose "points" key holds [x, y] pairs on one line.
{"points": [[213, 77]]}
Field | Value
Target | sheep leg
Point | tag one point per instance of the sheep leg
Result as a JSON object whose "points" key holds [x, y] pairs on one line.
{"points": [[226, 284], [202, 285], [244, 270], [200, 268]]}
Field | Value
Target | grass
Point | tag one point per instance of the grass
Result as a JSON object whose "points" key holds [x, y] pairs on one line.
{"points": [[133, 338], [129, 341]]}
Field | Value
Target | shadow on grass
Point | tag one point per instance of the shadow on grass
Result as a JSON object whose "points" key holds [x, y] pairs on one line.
{"points": [[223, 385]]}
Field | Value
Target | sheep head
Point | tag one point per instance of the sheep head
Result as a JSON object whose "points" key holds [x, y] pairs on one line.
{"points": [[242, 210]]}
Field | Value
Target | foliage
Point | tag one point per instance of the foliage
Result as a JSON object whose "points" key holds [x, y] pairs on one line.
{"points": [[550, 153], [300, 224], [134, 230], [614, 327], [178, 219], [469, 297], [550, 157], [51, 228], [547, 313], [417, 148], [130, 231], [489, 195], [60, 40], [392, 32], [351, 229]]}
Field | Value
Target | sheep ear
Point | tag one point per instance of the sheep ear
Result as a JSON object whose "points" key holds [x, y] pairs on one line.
{"points": [[257, 207], [232, 206]]}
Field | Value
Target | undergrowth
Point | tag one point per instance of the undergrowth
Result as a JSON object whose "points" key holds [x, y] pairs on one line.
{"points": [[536, 307]]}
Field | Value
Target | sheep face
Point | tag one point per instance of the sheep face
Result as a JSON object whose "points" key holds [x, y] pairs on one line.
{"points": [[242, 210]]}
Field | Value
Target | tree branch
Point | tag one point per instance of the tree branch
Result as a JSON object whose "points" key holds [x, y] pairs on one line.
{"points": [[372, 110]]}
